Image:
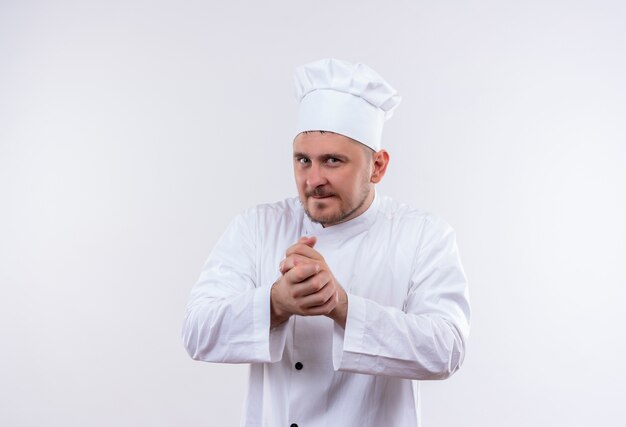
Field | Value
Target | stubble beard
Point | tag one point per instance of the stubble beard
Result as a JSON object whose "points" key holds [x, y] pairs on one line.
{"points": [[342, 214]]}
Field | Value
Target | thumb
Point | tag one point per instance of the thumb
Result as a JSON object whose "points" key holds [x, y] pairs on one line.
{"points": [[308, 240]]}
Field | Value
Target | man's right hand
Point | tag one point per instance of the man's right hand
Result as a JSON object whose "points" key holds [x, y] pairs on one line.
{"points": [[304, 288]]}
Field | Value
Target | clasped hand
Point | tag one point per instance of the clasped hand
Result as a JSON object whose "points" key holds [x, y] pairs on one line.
{"points": [[307, 287]]}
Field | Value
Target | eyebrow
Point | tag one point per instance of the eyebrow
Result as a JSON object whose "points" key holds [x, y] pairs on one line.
{"points": [[325, 156]]}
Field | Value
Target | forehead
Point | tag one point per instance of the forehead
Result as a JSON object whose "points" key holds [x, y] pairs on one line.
{"points": [[315, 143]]}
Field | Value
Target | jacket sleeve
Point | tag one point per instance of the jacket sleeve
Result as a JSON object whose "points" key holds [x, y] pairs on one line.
{"points": [[228, 314], [426, 339]]}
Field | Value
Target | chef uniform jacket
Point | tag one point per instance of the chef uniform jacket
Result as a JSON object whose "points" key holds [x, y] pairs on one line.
{"points": [[408, 315]]}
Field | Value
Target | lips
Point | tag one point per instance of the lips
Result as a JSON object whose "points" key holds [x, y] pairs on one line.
{"points": [[319, 194]]}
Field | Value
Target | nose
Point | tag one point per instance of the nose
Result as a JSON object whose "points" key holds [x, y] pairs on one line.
{"points": [[315, 176]]}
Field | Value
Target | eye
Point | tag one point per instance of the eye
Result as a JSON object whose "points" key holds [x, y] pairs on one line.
{"points": [[303, 161], [333, 161]]}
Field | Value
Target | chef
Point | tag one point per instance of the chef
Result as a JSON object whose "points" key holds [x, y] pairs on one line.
{"points": [[341, 298]]}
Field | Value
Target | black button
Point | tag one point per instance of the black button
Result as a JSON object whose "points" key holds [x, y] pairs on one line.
{"points": [[298, 367], [294, 424]]}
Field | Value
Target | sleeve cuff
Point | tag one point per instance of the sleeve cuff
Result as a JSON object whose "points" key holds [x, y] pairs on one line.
{"points": [[347, 343], [271, 341]]}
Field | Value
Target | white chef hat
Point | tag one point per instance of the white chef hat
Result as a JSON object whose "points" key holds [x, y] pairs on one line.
{"points": [[345, 98]]}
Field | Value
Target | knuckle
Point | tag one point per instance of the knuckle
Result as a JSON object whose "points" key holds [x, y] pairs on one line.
{"points": [[300, 274], [318, 284], [323, 279], [322, 284]]}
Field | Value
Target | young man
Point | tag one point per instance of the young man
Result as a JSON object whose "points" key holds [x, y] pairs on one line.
{"points": [[341, 297]]}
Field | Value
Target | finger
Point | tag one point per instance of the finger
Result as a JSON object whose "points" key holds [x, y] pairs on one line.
{"points": [[312, 285], [304, 250], [291, 261], [323, 309], [301, 272], [318, 298], [308, 240]]}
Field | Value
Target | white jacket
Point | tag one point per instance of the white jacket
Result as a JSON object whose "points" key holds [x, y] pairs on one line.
{"points": [[408, 315]]}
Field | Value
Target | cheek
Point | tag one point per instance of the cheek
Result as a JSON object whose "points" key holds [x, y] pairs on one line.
{"points": [[300, 179], [352, 181]]}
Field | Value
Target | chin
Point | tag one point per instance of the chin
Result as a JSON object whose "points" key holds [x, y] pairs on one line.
{"points": [[326, 218], [322, 216]]}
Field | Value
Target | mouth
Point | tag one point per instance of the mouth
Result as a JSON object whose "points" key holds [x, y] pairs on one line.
{"points": [[319, 193]]}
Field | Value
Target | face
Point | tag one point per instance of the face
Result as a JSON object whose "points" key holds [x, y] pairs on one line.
{"points": [[334, 176]]}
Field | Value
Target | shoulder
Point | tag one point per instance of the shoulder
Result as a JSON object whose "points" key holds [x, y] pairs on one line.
{"points": [[398, 212], [283, 208], [268, 215], [411, 221], [268, 220]]}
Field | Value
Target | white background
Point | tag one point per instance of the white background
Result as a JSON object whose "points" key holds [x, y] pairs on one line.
{"points": [[131, 132]]}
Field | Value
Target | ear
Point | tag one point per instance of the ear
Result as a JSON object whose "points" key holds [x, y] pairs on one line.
{"points": [[380, 161]]}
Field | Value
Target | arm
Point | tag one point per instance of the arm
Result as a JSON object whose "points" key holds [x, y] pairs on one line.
{"points": [[424, 340], [228, 313]]}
